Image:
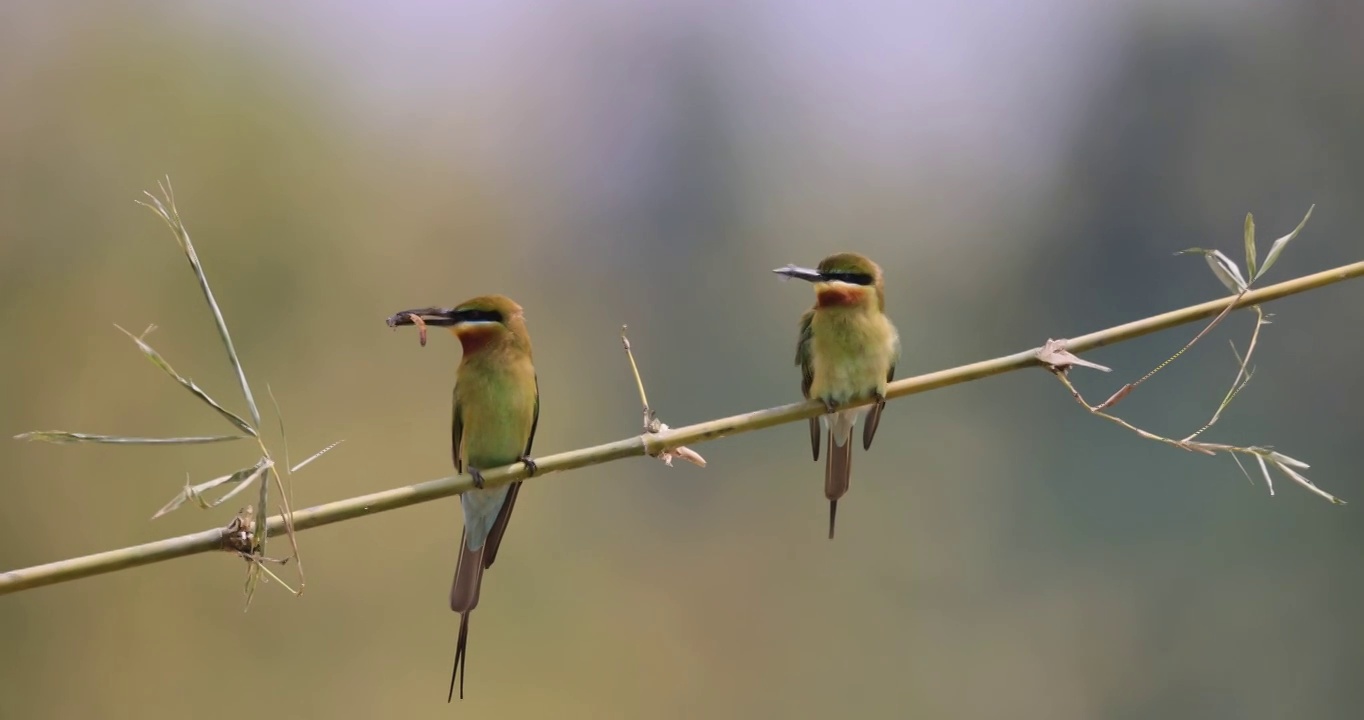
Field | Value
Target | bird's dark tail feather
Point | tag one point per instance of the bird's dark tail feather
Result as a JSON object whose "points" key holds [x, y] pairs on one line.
{"points": [[463, 599], [468, 578], [461, 658], [872, 422], [837, 475]]}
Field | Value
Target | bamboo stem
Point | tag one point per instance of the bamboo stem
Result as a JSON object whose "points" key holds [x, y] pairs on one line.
{"points": [[640, 445]]}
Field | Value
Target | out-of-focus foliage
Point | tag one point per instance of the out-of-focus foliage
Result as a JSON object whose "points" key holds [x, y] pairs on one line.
{"points": [[603, 163]]}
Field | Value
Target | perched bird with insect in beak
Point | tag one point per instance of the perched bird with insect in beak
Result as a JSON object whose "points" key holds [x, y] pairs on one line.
{"points": [[497, 407], [847, 352]]}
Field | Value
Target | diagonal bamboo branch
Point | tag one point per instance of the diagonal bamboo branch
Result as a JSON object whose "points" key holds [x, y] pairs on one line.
{"points": [[640, 445]]}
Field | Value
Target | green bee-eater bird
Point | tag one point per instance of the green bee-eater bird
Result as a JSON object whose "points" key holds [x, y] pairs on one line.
{"points": [[497, 408], [847, 351]]}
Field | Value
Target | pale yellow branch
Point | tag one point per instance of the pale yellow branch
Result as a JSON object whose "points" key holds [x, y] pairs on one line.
{"points": [[640, 445]]}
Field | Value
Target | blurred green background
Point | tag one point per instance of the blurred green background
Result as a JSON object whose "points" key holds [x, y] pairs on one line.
{"points": [[1021, 171]]}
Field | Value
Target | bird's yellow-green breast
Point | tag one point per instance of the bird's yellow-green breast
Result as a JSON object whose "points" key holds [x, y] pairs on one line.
{"points": [[852, 349], [848, 345], [495, 394]]}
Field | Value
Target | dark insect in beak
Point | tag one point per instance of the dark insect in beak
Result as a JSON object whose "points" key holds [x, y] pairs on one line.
{"points": [[421, 318]]}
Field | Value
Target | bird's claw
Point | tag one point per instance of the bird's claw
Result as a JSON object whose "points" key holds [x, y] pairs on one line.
{"points": [[477, 477], [531, 467], [830, 407]]}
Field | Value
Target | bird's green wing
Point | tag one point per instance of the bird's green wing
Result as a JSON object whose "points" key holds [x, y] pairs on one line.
{"points": [[804, 352], [535, 420], [805, 359], [873, 420], [504, 515], [457, 436]]}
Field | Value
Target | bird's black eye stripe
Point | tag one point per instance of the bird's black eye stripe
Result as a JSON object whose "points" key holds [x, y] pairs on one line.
{"points": [[853, 278], [478, 316]]}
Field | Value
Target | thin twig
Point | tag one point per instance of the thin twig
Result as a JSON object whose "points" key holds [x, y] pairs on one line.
{"points": [[652, 423], [165, 207], [639, 383], [1243, 375], [1055, 357], [1215, 322]]}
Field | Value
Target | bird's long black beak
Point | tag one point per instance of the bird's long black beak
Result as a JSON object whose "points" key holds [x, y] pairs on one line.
{"points": [[440, 317], [806, 274]]}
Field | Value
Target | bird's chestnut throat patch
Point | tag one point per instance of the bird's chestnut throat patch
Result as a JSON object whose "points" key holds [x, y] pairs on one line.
{"points": [[840, 295], [475, 337]]}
